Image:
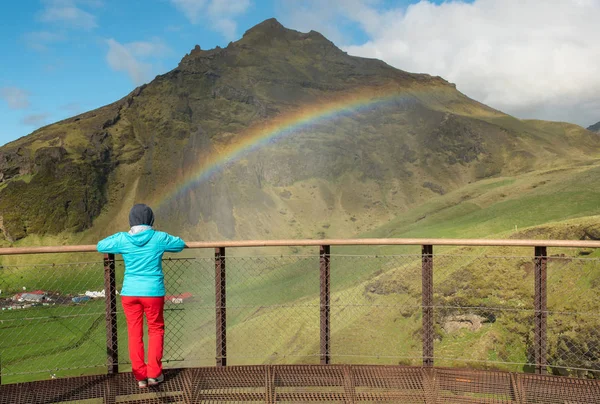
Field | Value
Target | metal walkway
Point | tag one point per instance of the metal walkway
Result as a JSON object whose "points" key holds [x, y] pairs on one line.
{"points": [[311, 383]]}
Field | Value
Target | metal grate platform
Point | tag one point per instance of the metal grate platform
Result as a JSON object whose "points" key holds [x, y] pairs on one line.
{"points": [[311, 383]]}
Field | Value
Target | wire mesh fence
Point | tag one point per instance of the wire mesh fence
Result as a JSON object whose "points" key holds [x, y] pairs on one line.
{"points": [[273, 311], [189, 312], [484, 307], [48, 324], [376, 309], [53, 318], [574, 316]]}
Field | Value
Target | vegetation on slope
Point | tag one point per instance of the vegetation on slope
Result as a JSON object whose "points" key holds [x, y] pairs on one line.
{"points": [[273, 300], [435, 165], [336, 177]]}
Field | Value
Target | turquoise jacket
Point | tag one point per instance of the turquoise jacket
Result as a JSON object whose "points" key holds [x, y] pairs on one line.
{"points": [[142, 253]]}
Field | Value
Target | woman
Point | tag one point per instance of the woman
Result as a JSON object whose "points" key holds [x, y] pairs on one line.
{"points": [[143, 289]]}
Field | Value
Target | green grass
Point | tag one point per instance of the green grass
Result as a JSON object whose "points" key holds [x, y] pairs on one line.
{"points": [[494, 208], [273, 301], [495, 184], [470, 220], [361, 176], [51, 339]]}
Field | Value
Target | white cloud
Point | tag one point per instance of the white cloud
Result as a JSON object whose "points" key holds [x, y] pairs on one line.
{"points": [[132, 58], [154, 48], [15, 97], [530, 58], [228, 7], [91, 3], [226, 26], [192, 9], [35, 119], [120, 58], [219, 13], [68, 12]]}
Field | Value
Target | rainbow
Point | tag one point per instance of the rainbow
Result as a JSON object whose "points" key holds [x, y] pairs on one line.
{"points": [[278, 127]]}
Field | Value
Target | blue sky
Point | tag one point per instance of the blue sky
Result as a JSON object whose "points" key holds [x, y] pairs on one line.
{"points": [[63, 57]]}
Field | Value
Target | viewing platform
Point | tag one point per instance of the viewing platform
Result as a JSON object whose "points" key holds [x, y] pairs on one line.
{"points": [[365, 320], [312, 383]]}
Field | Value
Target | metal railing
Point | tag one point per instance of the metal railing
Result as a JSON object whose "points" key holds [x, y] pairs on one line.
{"points": [[471, 307]]}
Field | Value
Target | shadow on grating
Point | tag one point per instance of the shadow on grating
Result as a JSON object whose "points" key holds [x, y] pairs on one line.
{"points": [[311, 383]]}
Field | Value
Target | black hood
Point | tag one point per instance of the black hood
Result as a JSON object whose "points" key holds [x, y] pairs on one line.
{"points": [[141, 214]]}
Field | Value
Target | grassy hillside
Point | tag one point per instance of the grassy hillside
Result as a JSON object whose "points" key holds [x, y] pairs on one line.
{"points": [[498, 206], [345, 173], [273, 299], [429, 162]]}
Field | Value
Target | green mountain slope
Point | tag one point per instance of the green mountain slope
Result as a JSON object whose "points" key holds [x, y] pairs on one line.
{"points": [[344, 174], [595, 127], [428, 162], [376, 298]]}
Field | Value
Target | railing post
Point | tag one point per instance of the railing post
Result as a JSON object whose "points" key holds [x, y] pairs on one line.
{"points": [[110, 293], [325, 334], [427, 303], [221, 306], [541, 314]]}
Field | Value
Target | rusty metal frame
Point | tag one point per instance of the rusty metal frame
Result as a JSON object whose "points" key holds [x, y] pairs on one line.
{"points": [[221, 306], [541, 310], [349, 385], [304, 383], [325, 308], [333, 242], [110, 289], [427, 303]]}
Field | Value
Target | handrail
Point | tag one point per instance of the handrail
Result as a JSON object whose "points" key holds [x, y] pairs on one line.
{"points": [[540, 306], [332, 242]]}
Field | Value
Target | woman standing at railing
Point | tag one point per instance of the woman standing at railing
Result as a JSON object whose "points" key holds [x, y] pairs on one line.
{"points": [[143, 289]]}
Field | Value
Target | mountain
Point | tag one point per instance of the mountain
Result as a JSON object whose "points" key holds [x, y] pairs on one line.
{"points": [[280, 134], [595, 127]]}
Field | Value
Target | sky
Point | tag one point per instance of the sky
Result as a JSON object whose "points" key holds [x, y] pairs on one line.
{"points": [[530, 58]]}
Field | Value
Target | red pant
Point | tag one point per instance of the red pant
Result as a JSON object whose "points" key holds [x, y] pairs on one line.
{"points": [[134, 308]]}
